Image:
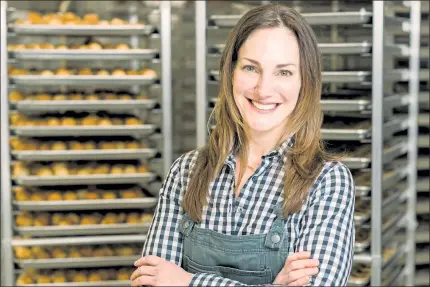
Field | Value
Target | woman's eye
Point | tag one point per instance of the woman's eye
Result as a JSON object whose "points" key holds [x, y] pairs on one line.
{"points": [[285, 73], [249, 68]]}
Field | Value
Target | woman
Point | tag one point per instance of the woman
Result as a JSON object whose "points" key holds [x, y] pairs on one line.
{"points": [[263, 202]]}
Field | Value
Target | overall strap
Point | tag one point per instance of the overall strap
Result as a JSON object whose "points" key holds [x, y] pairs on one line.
{"points": [[275, 236], [186, 225]]}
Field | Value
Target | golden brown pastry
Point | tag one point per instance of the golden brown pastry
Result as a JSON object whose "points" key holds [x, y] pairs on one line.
{"points": [[43, 279], [103, 251], [88, 220], [122, 46], [105, 122], [58, 277], [19, 169], [47, 46], [85, 71], [148, 72], [62, 72], [108, 195], [22, 252], [72, 218], [117, 169], [34, 17], [68, 121], [118, 72], [75, 145], [125, 97], [41, 219], [59, 97], [70, 195], [142, 168], [60, 169], [146, 218], [53, 121], [20, 47], [110, 96], [62, 47], [122, 217], [82, 194], [110, 218], [90, 120], [37, 196], [132, 145], [129, 168], [104, 22], [117, 121], [34, 46], [133, 217], [124, 251], [46, 73], [22, 195], [123, 274], [92, 195], [74, 252], [133, 121], [90, 145], [45, 146], [94, 277], [17, 72], [86, 251], [59, 145], [16, 96], [54, 196], [69, 16], [117, 21], [40, 252], [80, 276], [132, 72], [104, 274], [24, 279], [24, 219], [101, 169], [76, 97], [94, 46], [102, 73], [91, 97], [91, 19], [43, 171], [56, 218], [42, 97]]}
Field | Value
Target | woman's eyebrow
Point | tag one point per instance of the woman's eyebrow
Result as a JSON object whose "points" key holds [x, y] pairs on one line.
{"points": [[277, 66]]}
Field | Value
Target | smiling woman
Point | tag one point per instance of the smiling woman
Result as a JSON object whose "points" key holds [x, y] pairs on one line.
{"points": [[263, 202]]}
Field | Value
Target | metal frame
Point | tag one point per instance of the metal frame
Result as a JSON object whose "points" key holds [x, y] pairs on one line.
{"points": [[6, 206], [201, 70]]}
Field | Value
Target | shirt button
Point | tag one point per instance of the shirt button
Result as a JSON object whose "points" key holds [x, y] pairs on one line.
{"points": [[186, 224], [275, 238]]}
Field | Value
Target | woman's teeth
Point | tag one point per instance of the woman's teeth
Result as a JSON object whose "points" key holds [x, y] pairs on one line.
{"points": [[263, 107]]}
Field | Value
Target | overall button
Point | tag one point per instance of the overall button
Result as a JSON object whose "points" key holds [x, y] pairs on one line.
{"points": [[275, 238], [186, 224]]}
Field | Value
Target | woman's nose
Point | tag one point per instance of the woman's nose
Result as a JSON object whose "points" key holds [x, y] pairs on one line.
{"points": [[265, 86]]}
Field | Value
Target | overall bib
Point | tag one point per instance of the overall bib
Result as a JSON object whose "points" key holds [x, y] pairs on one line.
{"points": [[250, 259]]}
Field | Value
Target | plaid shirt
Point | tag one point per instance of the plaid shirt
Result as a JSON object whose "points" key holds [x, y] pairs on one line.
{"points": [[324, 226]]}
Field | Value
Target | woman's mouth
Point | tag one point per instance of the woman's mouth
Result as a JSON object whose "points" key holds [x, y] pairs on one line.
{"points": [[265, 108]]}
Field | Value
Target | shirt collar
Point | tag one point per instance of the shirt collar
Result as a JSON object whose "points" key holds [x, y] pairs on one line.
{"points": [[279, 152]]}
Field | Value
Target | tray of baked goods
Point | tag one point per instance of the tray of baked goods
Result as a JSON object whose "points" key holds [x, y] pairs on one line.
{"points": [[424, 141], [423, 204], [76, 277], [360, 156], [81, 223], [422, 234], [422, 254], [344, 128], [91, 51], [61, 102], [78, 124], [71, 24], [82, 77], [87, 172], [424, 120], [362, 211], [31, 149], [362, 240], [361, 16], [66, 198], [100, 255], [423, 98]]}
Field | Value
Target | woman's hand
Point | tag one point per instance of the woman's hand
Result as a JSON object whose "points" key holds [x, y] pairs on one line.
{"points": [[297, 270], [156, 271]]}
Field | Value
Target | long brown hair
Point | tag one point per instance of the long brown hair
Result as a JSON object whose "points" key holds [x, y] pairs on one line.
{"points": [[306, 158]]}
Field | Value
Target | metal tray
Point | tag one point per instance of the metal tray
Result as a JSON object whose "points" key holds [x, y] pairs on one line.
{"points": [[424, 141], [328, 18], [325, 48], [355, 162], [423, 163], [362, 258], [346, 77], [423, 184], [424, 120], [77, 262], [112, 283], [85, 179], [81, 80], [81, 240], [83, 30], [338, 105], [83, 105], [356, 282], [60, 205], [123, 228], [422, 278], [120, 130], [424, 98], [346, 134], [422, 234], [360, 218], [73, 54], [424, 75], [362, 246], [99, 154]]}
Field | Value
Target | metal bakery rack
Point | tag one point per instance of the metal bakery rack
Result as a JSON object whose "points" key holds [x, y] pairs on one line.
{"points": [[359, 98], [155, 132]]}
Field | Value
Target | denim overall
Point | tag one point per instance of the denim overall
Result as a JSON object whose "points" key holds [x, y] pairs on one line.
{"points": [[250, 259]]}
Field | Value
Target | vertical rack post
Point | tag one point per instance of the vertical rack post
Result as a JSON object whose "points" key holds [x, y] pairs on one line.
{"points": [[201, 73], [414, 67], [377, 138], [166, 82], [6, 201]]}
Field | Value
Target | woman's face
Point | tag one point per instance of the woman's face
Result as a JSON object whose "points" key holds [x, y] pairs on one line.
{"points": [[266, 80]]}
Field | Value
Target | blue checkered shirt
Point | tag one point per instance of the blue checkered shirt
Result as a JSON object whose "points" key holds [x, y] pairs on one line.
{"points": [[324, 226]]}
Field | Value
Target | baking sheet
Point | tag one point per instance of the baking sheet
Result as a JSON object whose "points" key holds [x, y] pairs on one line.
{"points": [[84, 54], [112, 283], [91, 229], [98, 204], [138, 178], [55, 263], [82, 80], [99, 154]]}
